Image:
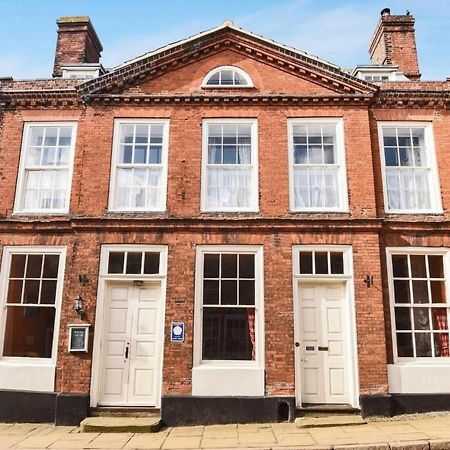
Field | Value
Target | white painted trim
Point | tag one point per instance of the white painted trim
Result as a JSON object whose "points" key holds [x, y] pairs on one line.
{"points": [[257, 250], [351, 336], [430, 152], [164, 162], [226, 24], [19, 197], [255, 167], [25, 364], [101, 305], [238, 70], [445, 252], [340, 162]]}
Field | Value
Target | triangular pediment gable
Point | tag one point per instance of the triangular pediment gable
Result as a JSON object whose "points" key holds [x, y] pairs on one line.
{"points": [[226, 37]]}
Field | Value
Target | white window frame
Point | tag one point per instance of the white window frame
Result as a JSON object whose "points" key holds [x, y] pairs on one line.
{"points": [[20, 190], [8, 251], [254, 207], [441, 251], [338, 122], [164, 163], [430, 153], [257, 250], [238, 70]]}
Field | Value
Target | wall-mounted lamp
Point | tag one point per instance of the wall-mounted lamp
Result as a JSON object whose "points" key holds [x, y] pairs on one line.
{"points": [[368, 280], [84, 280], [78, 306]]}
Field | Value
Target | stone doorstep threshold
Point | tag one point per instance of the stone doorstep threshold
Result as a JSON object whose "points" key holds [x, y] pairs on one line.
{"points": [[338, 420], [105, 424]]}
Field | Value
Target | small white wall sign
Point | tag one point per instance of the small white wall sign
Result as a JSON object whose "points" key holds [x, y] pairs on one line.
{"points": [[177, 332], [78, 337]]}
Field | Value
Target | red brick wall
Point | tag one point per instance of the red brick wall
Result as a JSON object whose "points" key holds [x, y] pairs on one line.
{"points": [[266, 79]]}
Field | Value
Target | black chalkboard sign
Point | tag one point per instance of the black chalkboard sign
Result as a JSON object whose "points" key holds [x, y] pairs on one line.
{"points": [[78, 338]]}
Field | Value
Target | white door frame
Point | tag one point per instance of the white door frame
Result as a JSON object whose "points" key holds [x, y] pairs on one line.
{"points": [[105, 278], [347, 280]]}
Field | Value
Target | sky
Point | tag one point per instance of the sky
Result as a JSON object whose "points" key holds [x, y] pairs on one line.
{"points": [[335, 30]]}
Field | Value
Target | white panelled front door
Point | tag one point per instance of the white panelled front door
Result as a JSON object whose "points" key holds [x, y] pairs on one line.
{"points": [[324, 352], [131, 345]]}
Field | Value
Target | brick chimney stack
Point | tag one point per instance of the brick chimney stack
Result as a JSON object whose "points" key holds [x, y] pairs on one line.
{"points": [[394, 43], [77, 43]]}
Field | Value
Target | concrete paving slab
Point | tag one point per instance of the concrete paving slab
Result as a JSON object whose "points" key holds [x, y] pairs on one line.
{"points": [[220, 431], [37, 441], [187, 431], [110, 440], [182, 442], [259, 437], [10, 441], [65, 444], [296, 439], [219, 443], [146, 441]]}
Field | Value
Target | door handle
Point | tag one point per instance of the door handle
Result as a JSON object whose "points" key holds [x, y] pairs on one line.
{"points": [[297, 344], [322, 349], [126, 351]]}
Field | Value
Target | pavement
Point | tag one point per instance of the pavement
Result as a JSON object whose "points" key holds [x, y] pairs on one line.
{"points": [[418, 432]]}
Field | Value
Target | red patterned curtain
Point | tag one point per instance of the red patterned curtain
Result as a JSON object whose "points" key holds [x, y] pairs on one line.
{"points": [[251, 328], [440, 315]]}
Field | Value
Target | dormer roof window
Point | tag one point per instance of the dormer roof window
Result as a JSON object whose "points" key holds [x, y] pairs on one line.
{"points": [[378, 73], [82, 71], [227, 77]]}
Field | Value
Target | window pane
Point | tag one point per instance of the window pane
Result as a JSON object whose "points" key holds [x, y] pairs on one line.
{"points": [[435, 266], [440, 319], [306, 262], [211, 292], [51, 263], [400, 265], [134, 262], [418, 269], [29, 331], [228, 334], [15, 291], [211, 266], [151, 263], [31, 291], [115, 263], [321, 262], [421, 319], [337, 262], [423, 344], [34, 266], [402, 292], [228, 292], [404, 345], [246, 266], [402, 319], [246, 292], [48, 292], [420, 291], [229, 266], [437, 291], [441, 345], [17, 266]]}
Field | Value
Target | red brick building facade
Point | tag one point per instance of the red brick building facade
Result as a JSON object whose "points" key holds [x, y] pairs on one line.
{"points": [[236, 227]]}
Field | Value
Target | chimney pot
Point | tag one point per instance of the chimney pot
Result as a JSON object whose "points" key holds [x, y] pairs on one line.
{"points": [[77, 43], [385, 12]]}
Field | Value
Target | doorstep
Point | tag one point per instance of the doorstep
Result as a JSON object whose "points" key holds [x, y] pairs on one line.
{"points": [[107, 424], [335, 420]]}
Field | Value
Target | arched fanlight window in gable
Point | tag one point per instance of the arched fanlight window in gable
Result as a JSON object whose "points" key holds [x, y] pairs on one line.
{"points": [[227, 76]]}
